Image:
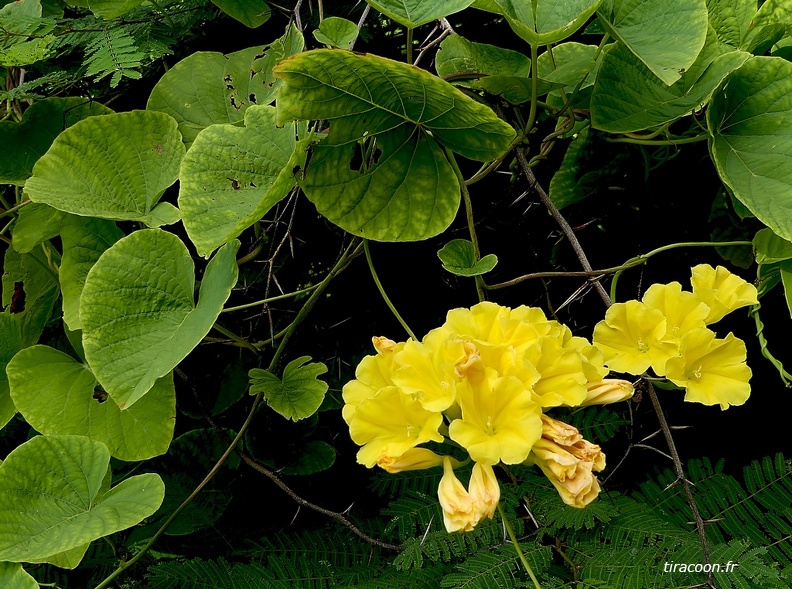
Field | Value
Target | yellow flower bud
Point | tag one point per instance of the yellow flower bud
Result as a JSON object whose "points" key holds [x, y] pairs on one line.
{"points": [[484, 490], [414, 459], [459, 510], [607, 391]]}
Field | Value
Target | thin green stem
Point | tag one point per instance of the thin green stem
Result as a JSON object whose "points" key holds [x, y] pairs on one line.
{"points": [[786, 378], [288, 295], [383, 293], [682, 141], [493, 165], [13, 209], [471, 222], [409, 46], [534, 89], [240, 340], [517, 548]]}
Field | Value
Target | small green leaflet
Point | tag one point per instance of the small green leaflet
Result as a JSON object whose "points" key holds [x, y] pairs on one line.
{"points": [[298, 395], [459, 257], [336, 32]]}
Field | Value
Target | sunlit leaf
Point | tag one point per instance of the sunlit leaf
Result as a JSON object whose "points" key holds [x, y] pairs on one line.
{"points": [[232, 176], [731, 19], [138, 313], [298, 395], [13, 576], [414, 13], [770, 248], [752, 140], [114, 166], [395, 118], [459, 257], [208, 88], [53, 498], [58, 395], [35, 223], [643, 26]]}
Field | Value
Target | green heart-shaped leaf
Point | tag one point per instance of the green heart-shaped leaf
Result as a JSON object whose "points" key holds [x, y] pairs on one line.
{"points": [[298, 395], [414, 13], [752, 139], [770, 248], [643, 25], [541, 22], [459, 257], [209, 88], [628, 97], [54, 500], [138, 313], [114, 166], [232, 176], [58, 395], [396, 117], [336, 32], [23, 143]]}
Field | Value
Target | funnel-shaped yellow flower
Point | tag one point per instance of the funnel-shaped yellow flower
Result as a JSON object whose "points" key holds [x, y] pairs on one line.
{"points": [[713, 371], [683, 310], [500, 420], [372, 374], [459, 509], [631, 338], [721, 290], [390, 424], [562, 379]]}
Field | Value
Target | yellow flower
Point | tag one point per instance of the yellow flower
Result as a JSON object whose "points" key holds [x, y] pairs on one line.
{"points": [[683, 310], [500, 420], [607, 391], [562, 380], [426, 369], [415, 459], [631, 338], [372, 374], [713, 371], [721, 290], [391, 423], [568, 461], [484, 490], [459, 509]]}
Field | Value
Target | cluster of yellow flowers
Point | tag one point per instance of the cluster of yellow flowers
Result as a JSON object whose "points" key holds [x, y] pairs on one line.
{"points": [[667, 331], [482, 379]]}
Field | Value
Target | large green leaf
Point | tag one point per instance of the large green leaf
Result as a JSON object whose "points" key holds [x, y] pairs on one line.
{"points": [[397, 117], [58, 395], [251, 13], [299, 394], [114, 166], [54, 500], [731, 19], [667, 35], [208, 88], [35, 223], [10, 344], [13, 576], [414, 13], [541, 22], [232, 176], [628, 97], [84, 239], [752, 139], [23, 143], [138, 313]]}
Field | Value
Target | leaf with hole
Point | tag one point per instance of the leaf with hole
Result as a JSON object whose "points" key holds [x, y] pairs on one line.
{"points": [[381, 172], [209, 88], [298, 395], [138, 313], [233, 175], [59, 396], [113, 166], [55, 498], [459, 257]]}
